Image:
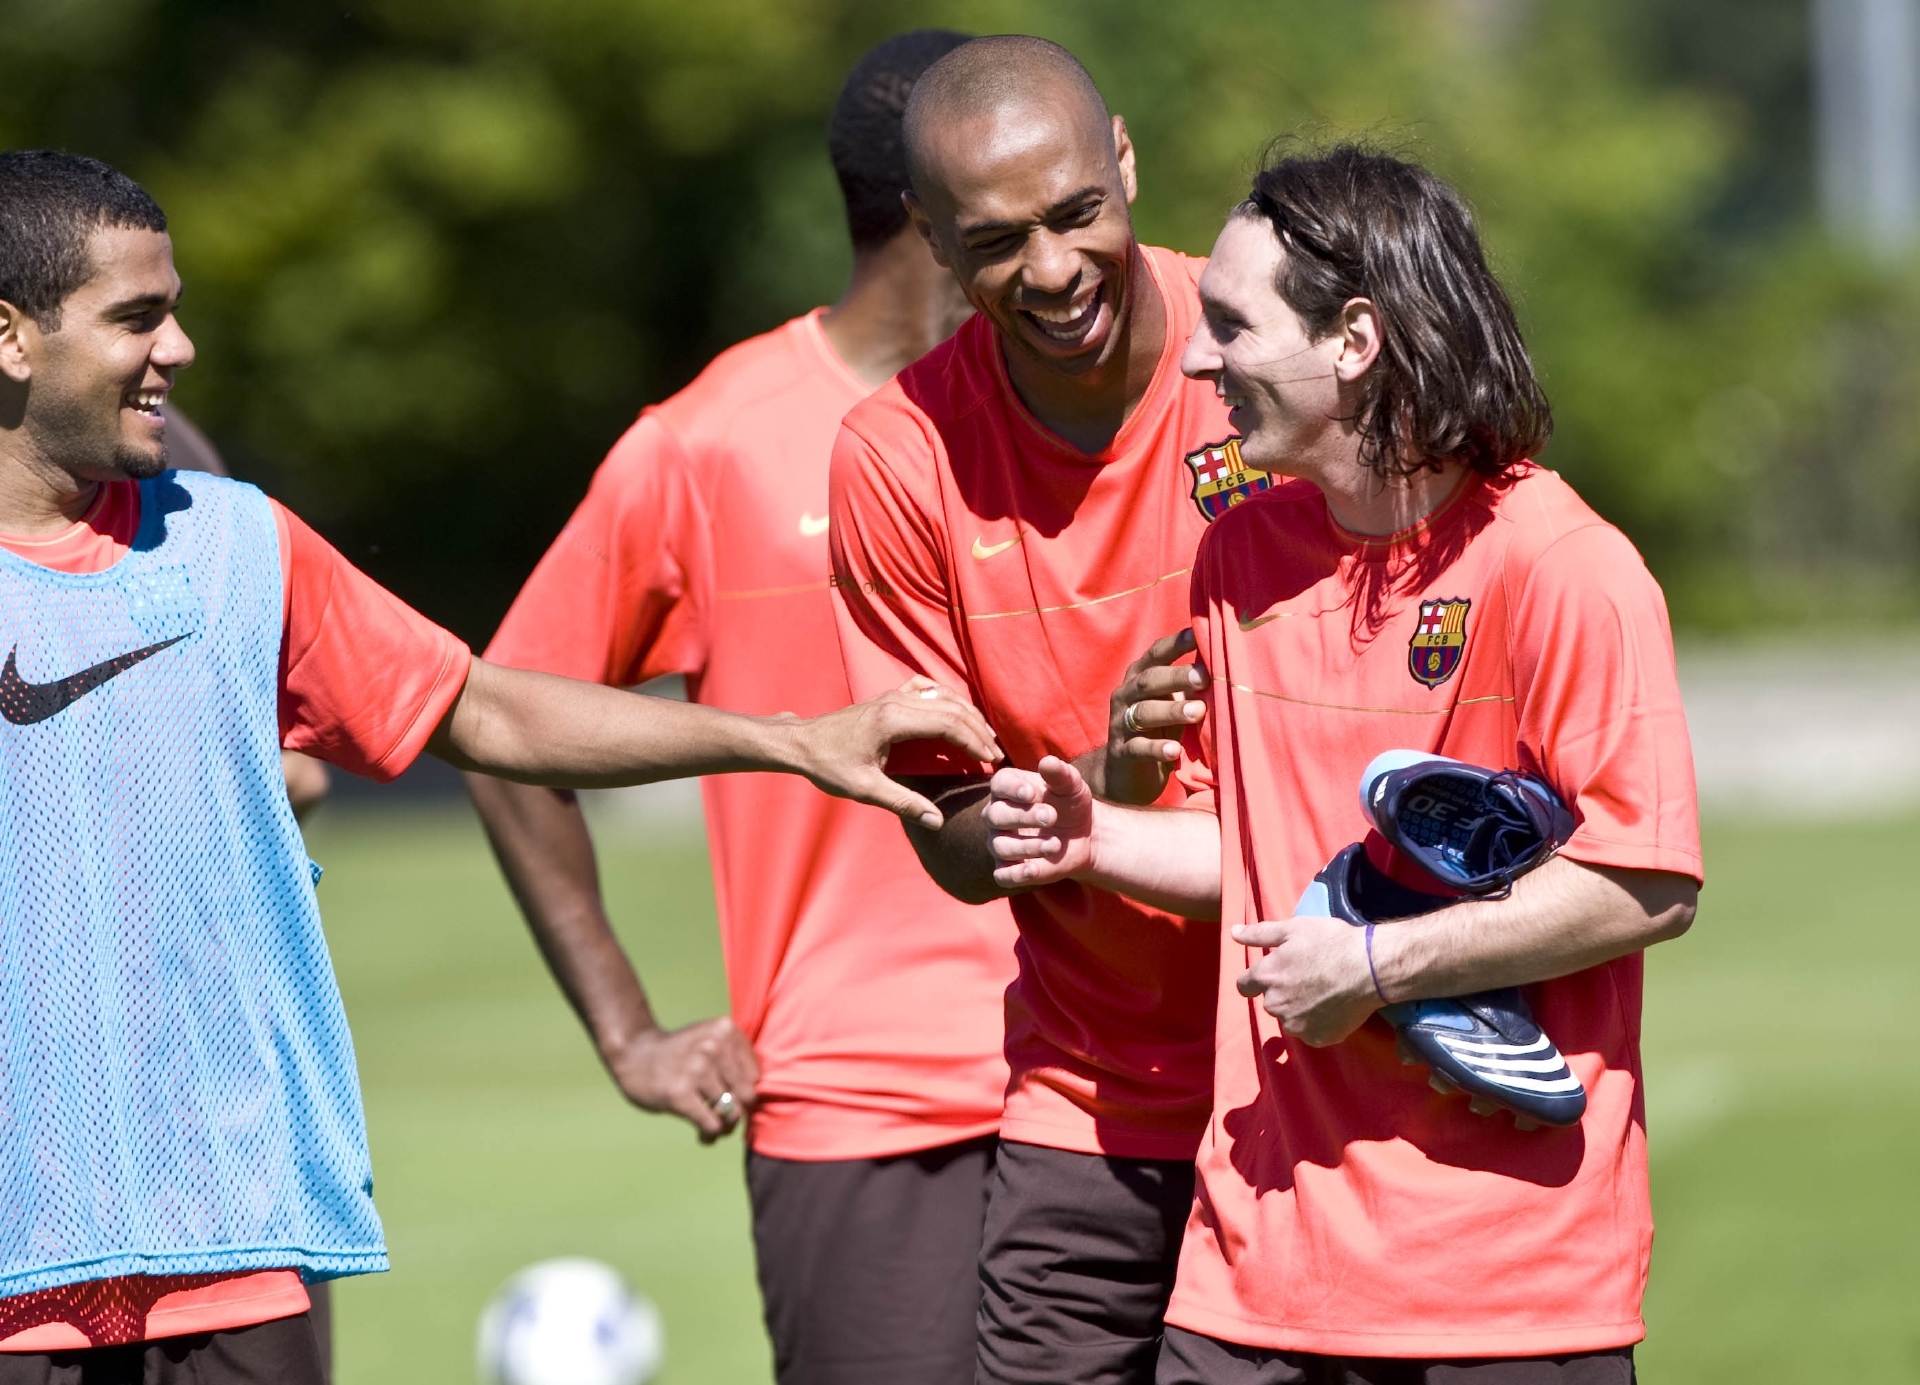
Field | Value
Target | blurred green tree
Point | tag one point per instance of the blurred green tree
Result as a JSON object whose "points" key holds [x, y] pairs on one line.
{"points": [[438, 255]]}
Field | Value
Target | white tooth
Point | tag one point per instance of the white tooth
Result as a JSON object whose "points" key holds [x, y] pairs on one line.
{"points": [[1061, 317]]}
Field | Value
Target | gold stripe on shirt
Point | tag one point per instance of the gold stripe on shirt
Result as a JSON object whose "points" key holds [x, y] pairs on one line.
{"points": [[1373, 711], [771, 591], [1077, 605]]}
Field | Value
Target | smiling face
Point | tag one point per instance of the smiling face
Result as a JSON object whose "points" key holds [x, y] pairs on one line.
{"points": [[97, 387], [1027, 204], [1283, 389]]}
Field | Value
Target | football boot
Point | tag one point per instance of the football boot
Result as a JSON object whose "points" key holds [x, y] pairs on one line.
{"points": [[1486, 1045], [1471, 829]]}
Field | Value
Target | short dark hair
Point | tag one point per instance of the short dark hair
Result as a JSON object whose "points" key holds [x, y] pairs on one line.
{"points": [[864, 136], [987, 73], [1453, 380], [50, 203]]}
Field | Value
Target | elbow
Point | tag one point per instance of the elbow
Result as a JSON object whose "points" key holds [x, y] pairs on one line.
{"points": [[1669, 908], [1650, 906], [952, 872], [955, 856], [971, 891], [1671, 922]]}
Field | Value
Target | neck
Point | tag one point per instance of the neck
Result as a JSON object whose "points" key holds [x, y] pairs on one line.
{"points": [[1088, 409], [898, 306], [1363, 502], [37, 496]]}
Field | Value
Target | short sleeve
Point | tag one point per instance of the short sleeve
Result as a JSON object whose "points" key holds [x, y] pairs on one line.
{"points": [[624, 593], [892, 596], [364, 678], [1599, 704]]}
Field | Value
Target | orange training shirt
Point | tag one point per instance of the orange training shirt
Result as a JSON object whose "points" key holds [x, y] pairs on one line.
{"points": [[873, 999], [342, 633], [976, 547], [1343, 1207]]}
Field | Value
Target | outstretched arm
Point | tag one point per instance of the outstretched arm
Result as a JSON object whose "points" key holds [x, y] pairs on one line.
{"points": [[1048, 826], [540, 837], [534, 728]]}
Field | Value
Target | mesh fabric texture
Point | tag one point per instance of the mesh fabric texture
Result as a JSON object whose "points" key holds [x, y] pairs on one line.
{"points": [[177, 1085]]}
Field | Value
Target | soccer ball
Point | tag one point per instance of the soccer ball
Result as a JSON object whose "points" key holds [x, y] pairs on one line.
{"points": [[570, 1322]]}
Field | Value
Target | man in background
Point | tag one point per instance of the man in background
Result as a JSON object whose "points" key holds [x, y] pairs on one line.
{"points": [[864, 1045]]}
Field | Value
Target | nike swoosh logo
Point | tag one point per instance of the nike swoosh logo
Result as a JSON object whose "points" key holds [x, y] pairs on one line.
{"points": [[24, 703], [1254, 624], [984, 551], [810, 527]]}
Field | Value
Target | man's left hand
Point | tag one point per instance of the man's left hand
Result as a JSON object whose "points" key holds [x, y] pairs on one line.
{"points": [[1314, 977]]}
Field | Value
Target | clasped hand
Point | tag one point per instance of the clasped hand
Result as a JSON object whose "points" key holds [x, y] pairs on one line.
{"points": [[1041, 824]]}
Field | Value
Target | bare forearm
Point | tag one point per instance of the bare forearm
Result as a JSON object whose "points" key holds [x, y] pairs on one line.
{"points": [[1166, 857], [541, 840], [534, 728], [1562, 918], [704, 1072]]}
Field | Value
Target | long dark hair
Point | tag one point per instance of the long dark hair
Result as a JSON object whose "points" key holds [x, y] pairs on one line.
{"points": [[1453, 380]]}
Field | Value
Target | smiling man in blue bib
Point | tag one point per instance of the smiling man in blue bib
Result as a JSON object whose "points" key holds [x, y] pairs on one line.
{"points": [[181, 1140]]}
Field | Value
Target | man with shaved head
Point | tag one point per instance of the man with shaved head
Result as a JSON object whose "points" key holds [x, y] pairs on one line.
{"points": [[1016, 515]]}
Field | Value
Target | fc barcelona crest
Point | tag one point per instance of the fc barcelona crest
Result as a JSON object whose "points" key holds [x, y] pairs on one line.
{"points": [[1438, 641], [1221, 480]]}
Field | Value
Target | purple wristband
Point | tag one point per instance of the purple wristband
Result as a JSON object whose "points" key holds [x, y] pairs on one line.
{"points": [[1371, 972]]}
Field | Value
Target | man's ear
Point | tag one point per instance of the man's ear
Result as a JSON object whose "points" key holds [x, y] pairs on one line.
{"points": [[923, 223], [1123, 151], [1360, 340], [19, 335]]}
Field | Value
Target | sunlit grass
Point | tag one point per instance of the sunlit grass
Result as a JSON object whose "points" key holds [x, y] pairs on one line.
{"points": [[1784, 1087], [497, 1139]]}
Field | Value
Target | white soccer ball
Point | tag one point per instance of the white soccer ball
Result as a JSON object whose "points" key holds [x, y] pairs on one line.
{"points": [[570, 1322]]}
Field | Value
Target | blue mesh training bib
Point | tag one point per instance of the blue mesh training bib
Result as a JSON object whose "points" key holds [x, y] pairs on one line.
{"points": [[177, 1086]]}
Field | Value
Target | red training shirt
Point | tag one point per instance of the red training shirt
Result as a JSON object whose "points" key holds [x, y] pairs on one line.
{"points": [[343, 634], [1343, 1207], [873, 999], [974, 546]]}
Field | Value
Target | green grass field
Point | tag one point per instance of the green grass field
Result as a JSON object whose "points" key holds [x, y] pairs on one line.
{"points": [[1784, 1087]]}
